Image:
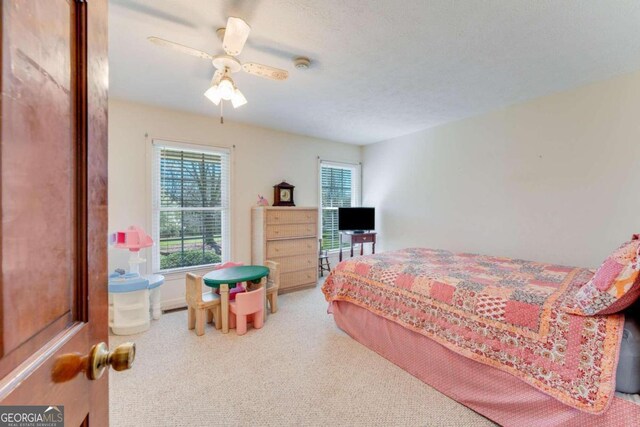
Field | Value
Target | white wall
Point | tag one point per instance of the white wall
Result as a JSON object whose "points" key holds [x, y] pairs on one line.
{"points": [[556, 179], [261, 159]]}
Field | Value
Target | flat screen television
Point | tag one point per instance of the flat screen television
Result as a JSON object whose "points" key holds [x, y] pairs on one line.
{"points": [[356, 219]]}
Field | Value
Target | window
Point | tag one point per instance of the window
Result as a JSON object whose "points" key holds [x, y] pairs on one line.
{"points": [[339, 188], [190, 205]]}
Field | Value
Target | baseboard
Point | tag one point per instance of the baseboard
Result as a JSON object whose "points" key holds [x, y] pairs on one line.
{"points": [[297, 288], [172, 304], [174, 310]]}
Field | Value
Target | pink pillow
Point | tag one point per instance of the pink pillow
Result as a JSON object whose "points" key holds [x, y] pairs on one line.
{"points": [[614, 286]]}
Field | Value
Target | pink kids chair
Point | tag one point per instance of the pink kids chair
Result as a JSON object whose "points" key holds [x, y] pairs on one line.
{"points": [[235, 290], [248, 305]]}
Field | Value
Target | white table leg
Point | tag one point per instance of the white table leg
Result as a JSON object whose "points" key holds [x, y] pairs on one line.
{"points": [[155, 303]]}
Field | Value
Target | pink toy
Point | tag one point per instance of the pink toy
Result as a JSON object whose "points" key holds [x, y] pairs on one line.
{"points": [[238, 288], [133, 238], [262, 201], [247, 305]]}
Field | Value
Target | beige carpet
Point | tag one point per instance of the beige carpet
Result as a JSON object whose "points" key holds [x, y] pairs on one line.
{"points": [[299, 370]]}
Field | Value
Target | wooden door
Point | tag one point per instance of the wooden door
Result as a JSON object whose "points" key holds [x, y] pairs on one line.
{"points": [[53, 191]]}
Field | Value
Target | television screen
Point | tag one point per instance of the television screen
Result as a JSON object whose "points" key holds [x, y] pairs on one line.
{"points": [[351, 219]]}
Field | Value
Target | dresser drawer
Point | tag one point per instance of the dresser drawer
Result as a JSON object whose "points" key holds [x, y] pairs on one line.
{"points": [[278, 248], [298, 278], [297, 262], [297, 216], [283, 231]]}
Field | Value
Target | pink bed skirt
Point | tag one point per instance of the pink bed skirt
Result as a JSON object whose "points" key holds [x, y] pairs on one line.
{"points": [[497, 395]]}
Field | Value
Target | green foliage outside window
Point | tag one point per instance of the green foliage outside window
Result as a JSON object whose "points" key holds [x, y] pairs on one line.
{"points": [[188, 258], [191, 208]]}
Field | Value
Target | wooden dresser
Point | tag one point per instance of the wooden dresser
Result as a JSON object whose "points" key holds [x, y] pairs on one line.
{"points": [[288, 236]]}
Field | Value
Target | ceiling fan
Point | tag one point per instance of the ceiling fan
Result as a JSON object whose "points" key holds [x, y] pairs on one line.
{"points": [[233, 37]]}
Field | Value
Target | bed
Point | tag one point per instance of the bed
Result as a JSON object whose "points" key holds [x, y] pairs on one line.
{"points": [[489, 332]]}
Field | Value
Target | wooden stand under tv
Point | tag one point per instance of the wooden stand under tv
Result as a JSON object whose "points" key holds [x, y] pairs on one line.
{"points": [[288, 236], [361, 238]]}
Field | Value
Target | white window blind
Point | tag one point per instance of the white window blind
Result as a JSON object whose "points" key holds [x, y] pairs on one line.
{"points": [[190, 205], [339, 188]]}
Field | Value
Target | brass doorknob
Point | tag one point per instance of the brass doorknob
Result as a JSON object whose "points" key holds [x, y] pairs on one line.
{"points": [[101, 358], [67, 366]]}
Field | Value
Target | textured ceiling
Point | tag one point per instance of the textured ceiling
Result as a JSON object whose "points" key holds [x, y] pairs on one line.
{"points": [[381, 68]]}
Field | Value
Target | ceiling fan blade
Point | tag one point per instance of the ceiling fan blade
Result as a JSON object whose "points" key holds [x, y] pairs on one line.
{"points": [[265, 71], [235, 36], [177, 46]]}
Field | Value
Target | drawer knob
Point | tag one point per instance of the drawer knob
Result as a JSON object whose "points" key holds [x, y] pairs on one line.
{"points": [[276, 218]]}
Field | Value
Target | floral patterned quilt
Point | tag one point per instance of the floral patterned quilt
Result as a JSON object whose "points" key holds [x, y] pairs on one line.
{"points": [[498, 311]]}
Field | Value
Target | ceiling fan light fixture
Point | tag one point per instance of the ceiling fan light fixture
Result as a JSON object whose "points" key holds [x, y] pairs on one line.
{"points": [[234, 37], [226, 88], [214, 95], [238, 99]]}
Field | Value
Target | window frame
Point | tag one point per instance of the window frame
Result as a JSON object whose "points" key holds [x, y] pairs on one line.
{"points": [[226, 190], [356, 190]]}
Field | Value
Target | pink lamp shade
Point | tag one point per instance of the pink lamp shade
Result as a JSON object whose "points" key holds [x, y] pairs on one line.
{"points": [[133, 238]]}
